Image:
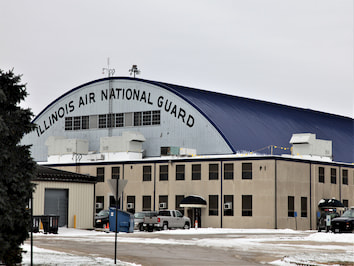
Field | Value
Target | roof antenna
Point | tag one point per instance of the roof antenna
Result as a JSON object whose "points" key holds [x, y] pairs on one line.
{"points": [[110, 71], [134, 70]]}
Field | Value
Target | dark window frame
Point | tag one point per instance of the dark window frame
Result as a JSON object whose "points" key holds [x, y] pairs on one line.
{"points": [[333, 176], [213, 205], [147, 172], [196, 173], [321, 174], [213, 171], [247, 172], [100, 173], [180, 171], [291, 206], [247, 205], [115, 172], [163, 172], [304, 207], [228, 171]]}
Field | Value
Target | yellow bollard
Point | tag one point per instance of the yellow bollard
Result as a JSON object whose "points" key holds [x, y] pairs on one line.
{"points": [[75, 221]]}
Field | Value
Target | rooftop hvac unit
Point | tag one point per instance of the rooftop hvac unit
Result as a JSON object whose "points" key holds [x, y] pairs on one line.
{"points": [[227, 205], [99, 205], [130, 205], [163, 205], [170, 150]]}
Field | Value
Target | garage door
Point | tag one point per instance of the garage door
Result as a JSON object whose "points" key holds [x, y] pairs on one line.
{"points": [[56, 203]]}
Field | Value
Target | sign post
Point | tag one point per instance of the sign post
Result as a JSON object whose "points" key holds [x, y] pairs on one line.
{"points": [[117, 187]]}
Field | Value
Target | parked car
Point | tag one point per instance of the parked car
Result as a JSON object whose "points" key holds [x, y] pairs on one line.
{"points": [[139, 218], [102, 218], [166, 219], [322, 223], [345, 223]]}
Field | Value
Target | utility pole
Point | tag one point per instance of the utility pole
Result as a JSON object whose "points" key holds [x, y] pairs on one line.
{"points": [[110, 73]]}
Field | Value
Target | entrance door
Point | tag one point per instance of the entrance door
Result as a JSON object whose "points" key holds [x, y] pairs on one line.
{"points": [[56, 203], [195, 215]]}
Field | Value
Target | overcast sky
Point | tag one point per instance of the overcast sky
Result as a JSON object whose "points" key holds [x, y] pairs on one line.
{"points": [[293, 52]]}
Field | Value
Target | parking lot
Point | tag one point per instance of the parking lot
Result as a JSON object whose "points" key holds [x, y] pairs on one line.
{"points": [[204, 246]]}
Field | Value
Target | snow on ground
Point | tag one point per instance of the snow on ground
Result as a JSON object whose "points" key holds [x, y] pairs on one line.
{"points": [[293, 245]]}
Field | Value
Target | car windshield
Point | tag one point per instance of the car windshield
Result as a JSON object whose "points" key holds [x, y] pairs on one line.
{"points": [[349, 213], [103, 213], [139, 215]]}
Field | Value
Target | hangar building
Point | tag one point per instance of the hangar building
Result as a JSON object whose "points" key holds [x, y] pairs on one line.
{"points": [[171, 142]]}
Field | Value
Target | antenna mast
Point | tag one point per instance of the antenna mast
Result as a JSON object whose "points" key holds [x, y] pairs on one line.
{"points": [[110, 71]]}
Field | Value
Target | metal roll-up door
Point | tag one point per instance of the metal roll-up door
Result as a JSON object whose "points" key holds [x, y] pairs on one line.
{"points": [[56, 203]]}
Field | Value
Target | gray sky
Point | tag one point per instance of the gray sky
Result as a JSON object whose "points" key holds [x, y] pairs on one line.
{"points": [[293, 52]]}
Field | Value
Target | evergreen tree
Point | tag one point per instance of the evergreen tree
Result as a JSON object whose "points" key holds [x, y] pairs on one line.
{"points": [[16, 168]]}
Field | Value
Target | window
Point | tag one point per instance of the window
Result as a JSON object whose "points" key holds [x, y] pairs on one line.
{"points": [[147, 118], [321, 175], [100, 200], [120, 120], [179, 198], [163, 172], [115, 172], [163, 202], [213, 171], [213, 205], [147, 173], [333, 176], [246, 205], [345, 177], [246, 170], [85, 120], [77, 122], [112, 202], [68, 123], [291, 206], [228, 171], [146, 203], [111, 120], [93, 121], [137, 118], [131, 204], [156, 117], [102, 121], [180, 172], [128, 119], [346, 203], [196, 172], [100, 174], [228, 205], [303, 206]]}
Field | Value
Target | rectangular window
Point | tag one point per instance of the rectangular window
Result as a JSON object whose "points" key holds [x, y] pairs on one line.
{"points": [[131, 204], [111, 120], [137, 119], [85, 122], [112, 202], [163, 202], [77, 122], [68, 123], [333, 176], [213, 171], [228, 205], [100, 200], [303, 206], [146, 203], [120, 120], [128, 119], [102, 121], [346, 203], [147, 173], [93, 121], [180, 172], [196, 172], [246, 170], [345, 177], [213, 205], [246, 205], [156, 117], [179, 198], [228, 171], [100, 174], [291, 206], [321, 174], [163, 172], [147, 118], [115, 172]]}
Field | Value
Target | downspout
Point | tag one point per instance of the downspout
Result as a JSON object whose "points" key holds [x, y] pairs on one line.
{"points": [[221, 195], [154, 196], [275, 195], [310, 196], [340, 184]]}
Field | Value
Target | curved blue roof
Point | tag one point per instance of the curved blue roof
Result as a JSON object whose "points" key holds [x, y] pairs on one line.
{"points": [[250, 125]]}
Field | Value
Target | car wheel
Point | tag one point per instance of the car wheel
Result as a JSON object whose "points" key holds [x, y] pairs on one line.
{"points": [[186, 226], [141, 227], [165, 226]]}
